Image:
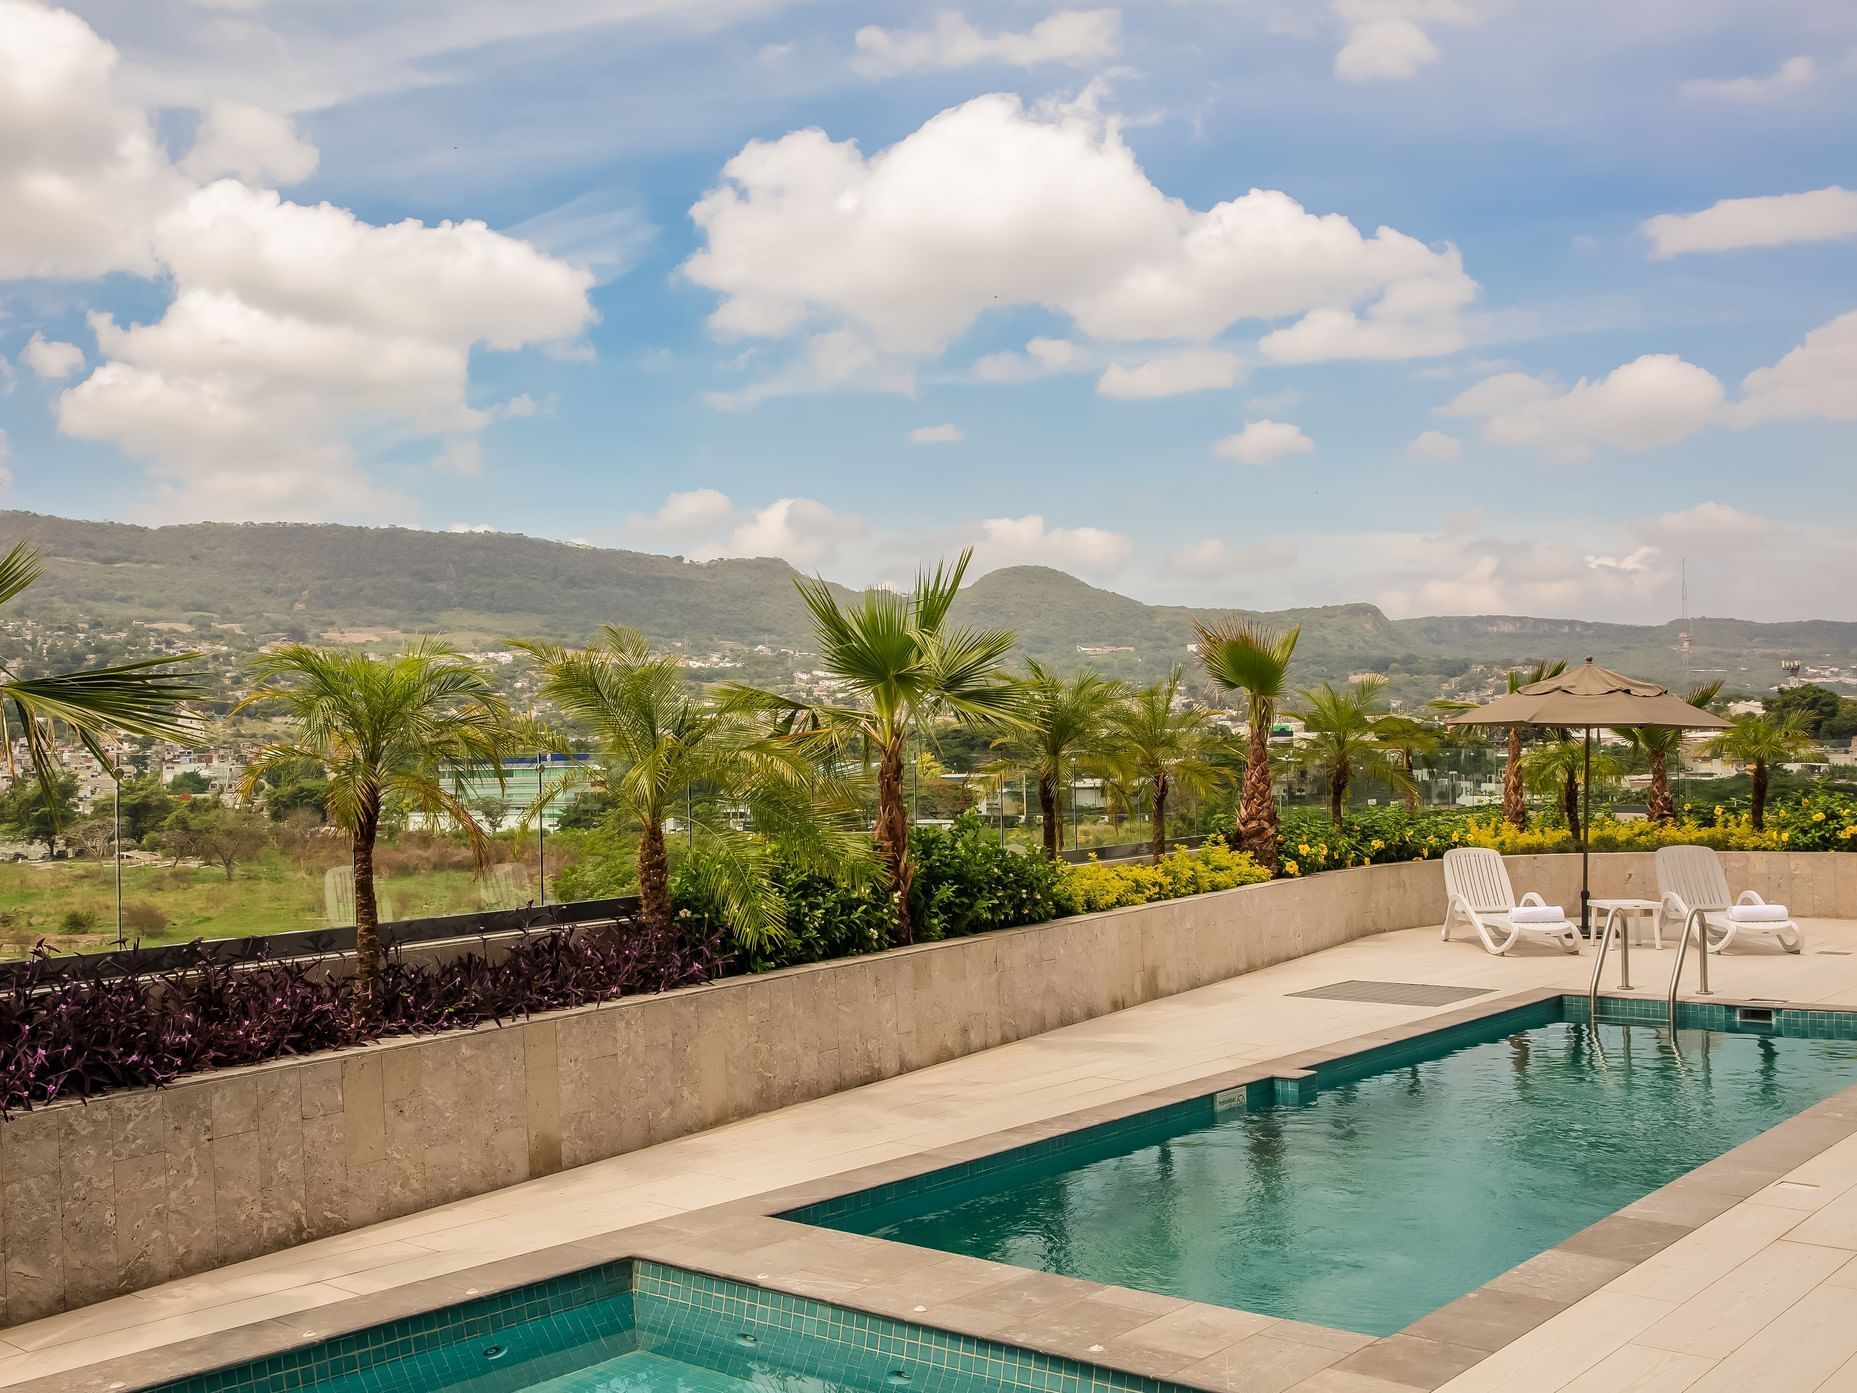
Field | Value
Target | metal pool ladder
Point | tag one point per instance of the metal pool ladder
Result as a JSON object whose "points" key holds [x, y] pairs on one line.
{"points": [[1599, 963], [1702, 962]]}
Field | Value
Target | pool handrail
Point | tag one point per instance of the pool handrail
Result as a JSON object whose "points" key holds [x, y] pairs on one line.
{"points": [[1693, 922], [1599, 962]]}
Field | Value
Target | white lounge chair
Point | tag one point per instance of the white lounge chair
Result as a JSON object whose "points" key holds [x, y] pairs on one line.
{"points": [[1479, 896], [1690, 878]]}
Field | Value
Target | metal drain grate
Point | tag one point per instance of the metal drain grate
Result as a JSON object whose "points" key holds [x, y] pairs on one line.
{"points": [[1395, 993]]}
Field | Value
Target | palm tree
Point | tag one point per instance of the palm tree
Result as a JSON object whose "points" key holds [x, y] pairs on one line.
{"points": [[1759, 741], [1659, 745], [385, 729], [1065, 720], [1158, 750], [1514, 805], [900, 655], [1557, 768], [1342, 732], [663, 754], [1408, 739], [126, 699], [1242, 656]]}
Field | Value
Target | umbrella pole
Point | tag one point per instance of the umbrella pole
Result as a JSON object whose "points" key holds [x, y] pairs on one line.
{"points": [[1586, 835]]}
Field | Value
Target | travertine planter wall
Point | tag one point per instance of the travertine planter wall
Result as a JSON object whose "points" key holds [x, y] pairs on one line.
{"points": [[136, 1188]]}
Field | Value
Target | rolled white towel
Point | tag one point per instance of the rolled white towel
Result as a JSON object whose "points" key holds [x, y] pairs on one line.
{"points": [[1759, 913], [1536, 914]]}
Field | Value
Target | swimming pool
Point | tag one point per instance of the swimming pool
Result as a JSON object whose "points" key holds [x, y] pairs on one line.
{"points": [[1391, 1183], [641, 1327]]}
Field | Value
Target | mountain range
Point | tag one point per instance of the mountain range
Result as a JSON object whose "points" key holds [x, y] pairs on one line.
{"points": [[374, 584]]}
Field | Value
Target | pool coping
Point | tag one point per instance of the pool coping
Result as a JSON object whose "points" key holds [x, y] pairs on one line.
{"points": [[1165, 1339]]}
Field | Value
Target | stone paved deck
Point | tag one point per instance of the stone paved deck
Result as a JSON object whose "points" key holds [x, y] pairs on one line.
{"points": [[1757, 1297]]}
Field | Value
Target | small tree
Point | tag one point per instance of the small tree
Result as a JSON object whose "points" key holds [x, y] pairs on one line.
{"points": [[1340, 726], [1557, 768], [213, 834], [190, 781], [1242, 656], [1407, 739], [1514, 803], [663, 753], [1159, 748], [1067, 720], [1759, 742], [1660, 747], [385, 729], [34, 812], [907, 665]]}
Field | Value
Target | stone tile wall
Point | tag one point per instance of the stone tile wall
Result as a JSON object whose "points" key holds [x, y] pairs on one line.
{"points": [[133, 1189]]}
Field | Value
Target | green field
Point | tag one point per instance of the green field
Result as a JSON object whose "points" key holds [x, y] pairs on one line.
{"points": [[72, 904]]}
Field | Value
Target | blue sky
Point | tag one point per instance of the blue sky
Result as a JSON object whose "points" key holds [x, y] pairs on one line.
{"points": [[1451, 305]]}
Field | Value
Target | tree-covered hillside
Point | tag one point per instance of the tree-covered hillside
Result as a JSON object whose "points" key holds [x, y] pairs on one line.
{"points": [[352, 582]]}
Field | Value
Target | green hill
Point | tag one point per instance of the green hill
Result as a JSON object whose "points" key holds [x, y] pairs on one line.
{"points": [[320, 581]]}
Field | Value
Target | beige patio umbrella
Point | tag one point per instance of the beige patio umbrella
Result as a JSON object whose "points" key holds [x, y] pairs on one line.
{"points": [[1589, 698]]}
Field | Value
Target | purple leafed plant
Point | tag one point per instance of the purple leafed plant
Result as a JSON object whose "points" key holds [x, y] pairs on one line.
{"points": [[96, 1030]]}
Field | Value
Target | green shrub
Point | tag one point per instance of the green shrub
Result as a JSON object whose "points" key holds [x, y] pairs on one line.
{"points": [[967, 883]]}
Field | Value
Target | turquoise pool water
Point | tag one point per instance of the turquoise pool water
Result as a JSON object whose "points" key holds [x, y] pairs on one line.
{"points": [[644, 1328], [1393, 1185]]}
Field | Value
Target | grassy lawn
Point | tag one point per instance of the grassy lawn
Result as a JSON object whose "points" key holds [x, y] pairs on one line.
{"points": [[72, 904]]}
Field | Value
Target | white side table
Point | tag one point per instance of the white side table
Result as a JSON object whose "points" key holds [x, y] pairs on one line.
{"points": [[1634, 912]]}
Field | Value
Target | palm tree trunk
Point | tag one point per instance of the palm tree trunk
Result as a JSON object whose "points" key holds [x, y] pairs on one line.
{"points": [[1514, 805], [1048, 813], [654, 877], [1570, 803], [893, 835], [1337, 791], [367, 907], [1661, 804], [1412, 788], [1257, 804], [1157, 846], [1758, 799]]}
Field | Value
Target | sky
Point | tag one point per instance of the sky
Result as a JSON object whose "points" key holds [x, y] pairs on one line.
{"points": [[1454, 306]]}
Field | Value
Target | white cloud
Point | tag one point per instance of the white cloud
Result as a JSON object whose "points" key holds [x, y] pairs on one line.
{"points": [[1027, 541], [82, 174], [470, 527], [520, 405], [249, 143], [52, 358], [1390, 40], [1774, 220], [1263, 441], [1818, 378], [6, 449], [945, 434], [1628, 564], [1435, 445], [838, 358], [1791, 75], [1655, 400], [685, 515], [461, 457], [1076, 37], [989, 206], [1192, 370], [1212, 559], [1705, 522], [799, 530], [1042, 358], [291, 328], [601, 231]]}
